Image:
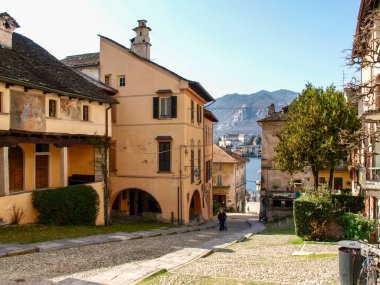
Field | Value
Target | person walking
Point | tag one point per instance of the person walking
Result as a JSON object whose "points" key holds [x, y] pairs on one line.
{"points": [[222, 217]]}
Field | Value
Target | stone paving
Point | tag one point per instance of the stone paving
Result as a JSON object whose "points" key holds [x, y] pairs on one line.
{"points": [[46, 266]]}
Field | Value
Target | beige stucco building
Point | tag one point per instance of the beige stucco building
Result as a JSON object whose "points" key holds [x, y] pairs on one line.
{"points": [[48, 113], [158, 154], [278, 188], [229, 179]]}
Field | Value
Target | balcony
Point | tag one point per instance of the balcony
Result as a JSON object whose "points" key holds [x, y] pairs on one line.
{"points": [[369, 107], [373, 178]]}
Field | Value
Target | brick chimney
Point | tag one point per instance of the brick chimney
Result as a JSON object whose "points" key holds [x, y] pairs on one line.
{"points": [[7, 26], [141, 43], [271, 109]]}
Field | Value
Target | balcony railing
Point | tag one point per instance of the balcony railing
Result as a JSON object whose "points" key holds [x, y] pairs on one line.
{"points": [[373, 174]]}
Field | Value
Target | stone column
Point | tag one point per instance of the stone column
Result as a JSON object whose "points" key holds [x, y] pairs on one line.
{"points": [[64, 167], [4, 171]]}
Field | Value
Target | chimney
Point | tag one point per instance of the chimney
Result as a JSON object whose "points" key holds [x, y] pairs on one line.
{"points": [[271, 109], [140, 44], [7, 26]]}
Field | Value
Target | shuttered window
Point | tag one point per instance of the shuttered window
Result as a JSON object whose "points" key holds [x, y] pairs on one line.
{"points": [[52, 108], [164, 156], [199, 113], [165, 107], [85, 113], [192, 111]]}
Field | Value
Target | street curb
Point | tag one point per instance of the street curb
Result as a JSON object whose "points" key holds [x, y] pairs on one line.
{"points": [[20, 252]]}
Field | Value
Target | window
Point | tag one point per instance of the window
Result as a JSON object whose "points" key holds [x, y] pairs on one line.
{"points": [[41, 147], [52, 108], [114, 113], [220, 166], [121, 79], [199, 114], [219, 180], [164, 156], [192, 162], [85, 113], [208, 170], [322, 180], [199, 160], [107, 79], [112, 162], [165, 107], [192, 111]]}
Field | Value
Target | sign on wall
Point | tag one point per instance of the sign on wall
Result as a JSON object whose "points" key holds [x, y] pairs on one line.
{"points": [[27, 111]]}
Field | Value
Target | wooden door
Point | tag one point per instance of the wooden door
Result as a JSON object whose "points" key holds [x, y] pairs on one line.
{"points": [[16, 169], [42, 171]]}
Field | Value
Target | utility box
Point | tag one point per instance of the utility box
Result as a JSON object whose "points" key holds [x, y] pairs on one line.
{"points": [[350, 262]]}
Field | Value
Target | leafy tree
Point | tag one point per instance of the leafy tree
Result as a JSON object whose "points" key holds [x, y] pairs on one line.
{"points": [[319, 125]]}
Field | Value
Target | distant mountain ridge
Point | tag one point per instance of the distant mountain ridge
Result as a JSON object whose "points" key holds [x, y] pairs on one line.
{"points": [[238, 113]]}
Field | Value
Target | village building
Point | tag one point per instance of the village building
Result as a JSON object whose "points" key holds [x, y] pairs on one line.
{"points": [[278, 188], [48, 116], [158, 155], [229, 178], [367, 159]]}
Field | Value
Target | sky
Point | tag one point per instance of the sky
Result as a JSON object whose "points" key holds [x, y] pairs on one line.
{"points": [[229, 46]]}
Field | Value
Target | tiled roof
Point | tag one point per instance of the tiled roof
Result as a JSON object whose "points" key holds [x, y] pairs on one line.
{"points": [[82, 60], [221, 155], [100, 84], [210, 115], [27, 64], [194, 85], [281, 116]]}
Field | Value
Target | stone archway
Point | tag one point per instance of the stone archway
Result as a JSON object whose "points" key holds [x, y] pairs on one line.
{"points": [[136, 202], [16, 169], [195, 206]]}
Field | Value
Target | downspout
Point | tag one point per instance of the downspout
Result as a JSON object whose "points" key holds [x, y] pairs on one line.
{"points": [[106, 178], [180, 187]]}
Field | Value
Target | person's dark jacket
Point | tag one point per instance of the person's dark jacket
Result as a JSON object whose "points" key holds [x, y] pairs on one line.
{"points": [[222, 216]]}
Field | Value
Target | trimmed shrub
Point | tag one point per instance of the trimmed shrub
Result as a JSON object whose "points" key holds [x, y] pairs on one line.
{"points": [[73, 205], [216, 207], [347, 203], [357, 227], [311, 213]]}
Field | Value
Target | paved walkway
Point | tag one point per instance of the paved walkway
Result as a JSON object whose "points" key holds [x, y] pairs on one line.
{"points": [[8, 249], [131, 273]]}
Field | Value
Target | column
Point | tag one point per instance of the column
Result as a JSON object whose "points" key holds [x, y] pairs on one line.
{"points": [[4, 171], [64, 167]]}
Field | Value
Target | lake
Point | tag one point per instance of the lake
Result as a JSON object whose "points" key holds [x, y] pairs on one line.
{"points": [[252, 169]]}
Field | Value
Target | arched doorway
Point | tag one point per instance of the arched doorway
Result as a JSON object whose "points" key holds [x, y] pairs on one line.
{"points": [[136, 202], [195, 206], [16, 169]]}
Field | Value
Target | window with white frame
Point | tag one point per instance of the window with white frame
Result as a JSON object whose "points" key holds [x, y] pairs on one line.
{"points": [[121, 79]]}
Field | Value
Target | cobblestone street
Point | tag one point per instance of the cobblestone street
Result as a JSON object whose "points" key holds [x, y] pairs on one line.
{"points": [[262, 259], [40, 268]]}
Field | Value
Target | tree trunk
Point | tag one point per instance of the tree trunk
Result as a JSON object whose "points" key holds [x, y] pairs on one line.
{"points": [[315, 171], [331, 177]]}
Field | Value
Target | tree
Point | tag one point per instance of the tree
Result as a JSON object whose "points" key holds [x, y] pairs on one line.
{"points": [[319, 124]]}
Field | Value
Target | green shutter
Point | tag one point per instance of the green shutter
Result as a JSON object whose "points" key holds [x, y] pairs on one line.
{"points": [[155, 107], [173, 106]]}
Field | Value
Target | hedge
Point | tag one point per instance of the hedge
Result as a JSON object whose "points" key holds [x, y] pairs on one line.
{"points": [[357, 227], [347, 203], [310, 216], [72, 205]]}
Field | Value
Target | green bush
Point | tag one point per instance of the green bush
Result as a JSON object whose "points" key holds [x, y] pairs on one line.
{"points": [[216, 207], [357, 227], [347, 203], [73, 205], [311, 213]]}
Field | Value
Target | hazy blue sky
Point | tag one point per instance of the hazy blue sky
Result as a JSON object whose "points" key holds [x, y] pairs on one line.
{"points": [[230, 46]]}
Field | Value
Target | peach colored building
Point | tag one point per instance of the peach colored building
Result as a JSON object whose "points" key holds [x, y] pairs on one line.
{"points": [[229, 179], [158, 151], [48, 112]]}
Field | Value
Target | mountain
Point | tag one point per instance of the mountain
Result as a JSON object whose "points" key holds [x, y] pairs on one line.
{"points": [[238, 113]]}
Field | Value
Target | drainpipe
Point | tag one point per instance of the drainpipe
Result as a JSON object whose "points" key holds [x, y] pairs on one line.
{"points": [[106, 186], [180, 186]]}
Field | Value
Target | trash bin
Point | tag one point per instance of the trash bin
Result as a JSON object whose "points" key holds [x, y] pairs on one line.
{"points": [[350, 262]]}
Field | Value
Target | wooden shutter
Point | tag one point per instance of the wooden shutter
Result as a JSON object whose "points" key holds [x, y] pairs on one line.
{"points": [[200, 114], [173, 106], [16, 169], [155, 107], [192, 110]]}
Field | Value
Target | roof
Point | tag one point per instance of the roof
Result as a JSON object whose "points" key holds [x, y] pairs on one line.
{"points": [[221, 155], [209, 115], [82, 60], [28, 64], [194, 85], [100, 84], [280, 116]]}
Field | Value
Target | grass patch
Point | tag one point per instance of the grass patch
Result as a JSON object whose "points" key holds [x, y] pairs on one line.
{"points": [[318, 256], [24, 234], [296, 240], [274, 229], [151, 278]]}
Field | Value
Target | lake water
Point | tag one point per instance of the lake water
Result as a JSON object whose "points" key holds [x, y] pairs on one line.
{"points": [[252, 169]]}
